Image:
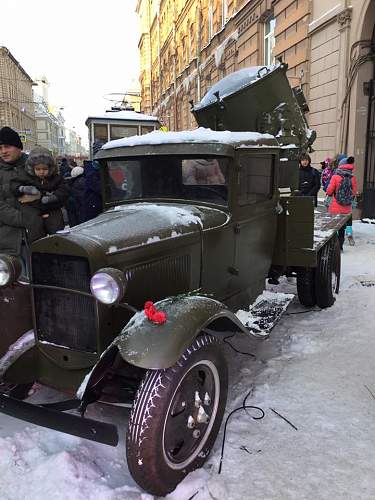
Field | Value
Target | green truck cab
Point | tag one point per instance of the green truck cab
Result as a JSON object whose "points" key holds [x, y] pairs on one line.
{"points": [[131, 306]]}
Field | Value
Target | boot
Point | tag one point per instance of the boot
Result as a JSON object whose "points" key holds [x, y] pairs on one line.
{"points": [[349, 234]]}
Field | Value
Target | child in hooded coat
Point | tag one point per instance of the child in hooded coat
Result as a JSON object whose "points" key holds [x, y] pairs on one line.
{"points": [[42, 191], [345, 167]]}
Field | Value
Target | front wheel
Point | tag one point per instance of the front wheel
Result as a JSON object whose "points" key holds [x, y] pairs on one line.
{"points": [[176, 416]]}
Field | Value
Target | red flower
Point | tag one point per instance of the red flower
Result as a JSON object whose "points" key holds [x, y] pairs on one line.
{"points": [[158, 317]]}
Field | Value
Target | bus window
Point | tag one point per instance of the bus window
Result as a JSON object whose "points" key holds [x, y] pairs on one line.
{"points": [[120, 131], [145, 129], [100, 133]]}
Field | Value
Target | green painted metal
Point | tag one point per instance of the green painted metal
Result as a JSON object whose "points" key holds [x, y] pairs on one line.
{"points": [[148, 345], [264, 103]]}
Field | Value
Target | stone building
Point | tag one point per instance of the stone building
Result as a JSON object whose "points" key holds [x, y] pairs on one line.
{"points": [[341, 90], [188, 45], [16, 98]]}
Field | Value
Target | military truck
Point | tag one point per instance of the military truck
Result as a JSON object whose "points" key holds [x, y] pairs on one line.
{"points": [[131, 307]]}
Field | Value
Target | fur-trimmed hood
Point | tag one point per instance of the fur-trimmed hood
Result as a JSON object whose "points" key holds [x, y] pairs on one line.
{"points": [[40, 155]]}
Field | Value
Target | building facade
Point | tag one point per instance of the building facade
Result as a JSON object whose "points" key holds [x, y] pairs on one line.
{"points": [[47, 126], [341, 90], [188, 45], [16, 99]]}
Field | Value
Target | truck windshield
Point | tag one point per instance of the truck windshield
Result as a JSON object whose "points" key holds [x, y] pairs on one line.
{"points": [[187, 178]]}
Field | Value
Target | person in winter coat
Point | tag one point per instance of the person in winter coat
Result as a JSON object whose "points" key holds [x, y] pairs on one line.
{"points": [[309, 178], [17, 229], [42, 190], [345, 170], [75, 205], [93, 204], [64, 168], [327, 172]]}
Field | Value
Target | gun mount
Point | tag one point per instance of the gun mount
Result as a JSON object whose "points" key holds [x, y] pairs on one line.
{"points": [[258, 99]]}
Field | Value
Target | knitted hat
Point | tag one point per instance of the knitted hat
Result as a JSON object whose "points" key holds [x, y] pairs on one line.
{"points": [[76, 171], [9, 137], [344, 161]]}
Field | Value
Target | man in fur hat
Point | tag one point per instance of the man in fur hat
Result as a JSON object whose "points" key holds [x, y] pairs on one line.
{"points": [[13, 222]]}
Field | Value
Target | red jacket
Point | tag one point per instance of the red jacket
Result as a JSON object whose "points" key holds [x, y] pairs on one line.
{"points": [[335, 207]]}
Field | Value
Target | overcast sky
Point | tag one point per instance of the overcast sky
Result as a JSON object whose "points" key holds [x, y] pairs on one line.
{"points": [[85, 48]]}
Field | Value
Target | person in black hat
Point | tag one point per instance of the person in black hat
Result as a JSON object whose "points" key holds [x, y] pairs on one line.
{"points": [[309, 178], [15, 225]]}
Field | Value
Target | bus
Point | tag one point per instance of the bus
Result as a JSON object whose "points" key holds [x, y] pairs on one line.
{"points": [[118, 123]]}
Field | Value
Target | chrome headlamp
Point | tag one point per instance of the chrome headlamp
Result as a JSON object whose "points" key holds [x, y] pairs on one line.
{"points": [[10, 270], [108, 285]]}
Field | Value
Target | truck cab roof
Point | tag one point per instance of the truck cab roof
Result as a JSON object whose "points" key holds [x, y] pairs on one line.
{"points": [[201, 140]]}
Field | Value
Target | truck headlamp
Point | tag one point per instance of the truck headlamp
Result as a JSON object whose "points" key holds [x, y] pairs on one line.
{"points": [[108, 285], [10, 270]]}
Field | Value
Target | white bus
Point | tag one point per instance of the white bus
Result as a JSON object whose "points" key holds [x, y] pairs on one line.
{"points": [[117, 123]]}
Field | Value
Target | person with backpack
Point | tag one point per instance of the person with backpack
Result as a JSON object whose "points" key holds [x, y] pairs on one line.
{"points": [[343, 189]]}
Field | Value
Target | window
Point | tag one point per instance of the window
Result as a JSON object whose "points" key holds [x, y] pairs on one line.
{"points": [[100, 132], [224, 12], [174, 177], [256, 178], [120, 131], [269, 40], [145, 129], [210, 22]]}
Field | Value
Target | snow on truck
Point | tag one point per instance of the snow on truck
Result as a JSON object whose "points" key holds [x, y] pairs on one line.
{"points": [[131, 307]]}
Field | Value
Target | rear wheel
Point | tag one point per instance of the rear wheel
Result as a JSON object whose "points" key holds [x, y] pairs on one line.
{"points": [[176, 416], [306, 286], [327, 276]]}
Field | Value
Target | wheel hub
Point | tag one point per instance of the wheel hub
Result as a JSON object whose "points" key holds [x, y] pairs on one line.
{"points": [[191, 414]]}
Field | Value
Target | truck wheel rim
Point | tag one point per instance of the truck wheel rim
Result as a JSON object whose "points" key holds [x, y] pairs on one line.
{"points": [[182, 442]]}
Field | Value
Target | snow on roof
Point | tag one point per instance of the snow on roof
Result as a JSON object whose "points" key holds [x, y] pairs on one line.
{"points": [[123, 115], [233, 83], [199, 135]]}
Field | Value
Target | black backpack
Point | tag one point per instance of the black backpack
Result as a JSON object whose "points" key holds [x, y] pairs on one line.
{"points": [[344, 193]]}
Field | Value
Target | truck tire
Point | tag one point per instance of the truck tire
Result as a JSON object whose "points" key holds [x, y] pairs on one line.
{"points": [[327, 275], [306, 286], [176, 416]]}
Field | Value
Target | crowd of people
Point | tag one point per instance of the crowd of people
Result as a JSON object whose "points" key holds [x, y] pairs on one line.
{"points": [[339, 183], [39, 195]]}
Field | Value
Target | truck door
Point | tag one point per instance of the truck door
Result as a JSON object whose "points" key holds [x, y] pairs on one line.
{"points": [[256, 218]]}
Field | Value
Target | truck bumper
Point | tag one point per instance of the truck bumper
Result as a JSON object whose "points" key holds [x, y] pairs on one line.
{"points": [[75, 425]]}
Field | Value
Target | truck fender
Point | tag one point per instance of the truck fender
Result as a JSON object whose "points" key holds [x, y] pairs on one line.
{"points": [[151, 346]]}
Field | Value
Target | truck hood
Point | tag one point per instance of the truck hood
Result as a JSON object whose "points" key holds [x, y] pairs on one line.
{"points": [[136, 224]]}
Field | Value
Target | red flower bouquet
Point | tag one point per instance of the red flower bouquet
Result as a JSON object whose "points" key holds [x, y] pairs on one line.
{"points": [[158, 317]]}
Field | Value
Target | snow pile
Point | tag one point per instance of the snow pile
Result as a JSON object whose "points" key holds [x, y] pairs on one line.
{"points": [[199, 135], [233, 82]]}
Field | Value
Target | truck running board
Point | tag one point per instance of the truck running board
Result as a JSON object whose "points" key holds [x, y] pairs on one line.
{"points": [[75, 425], [266, 311]]}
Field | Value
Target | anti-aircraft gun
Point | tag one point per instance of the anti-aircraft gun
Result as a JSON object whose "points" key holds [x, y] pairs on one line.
{"points": [[131, 307], [260, 99]]}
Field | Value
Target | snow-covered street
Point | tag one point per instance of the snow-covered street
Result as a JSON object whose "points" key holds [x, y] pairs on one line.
{"points": [[317, 370]]}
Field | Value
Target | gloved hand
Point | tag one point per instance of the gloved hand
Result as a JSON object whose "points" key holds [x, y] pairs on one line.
{"points": [[52, 198], [28, 190]]}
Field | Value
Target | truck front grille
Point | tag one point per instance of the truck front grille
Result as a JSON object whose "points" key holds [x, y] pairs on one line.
{"points": [[63, 317]]}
